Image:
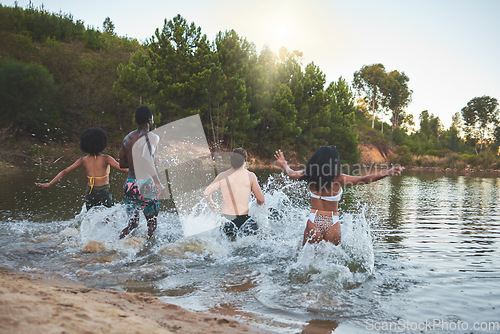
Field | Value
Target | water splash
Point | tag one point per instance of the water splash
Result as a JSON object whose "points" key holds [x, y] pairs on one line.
{"points": [[205, 271]]}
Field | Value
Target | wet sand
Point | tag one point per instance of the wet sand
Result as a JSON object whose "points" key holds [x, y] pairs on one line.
{"points": [[35, 305]]}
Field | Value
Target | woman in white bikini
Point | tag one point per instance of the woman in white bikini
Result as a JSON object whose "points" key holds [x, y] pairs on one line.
{"points": [[323, 174]]}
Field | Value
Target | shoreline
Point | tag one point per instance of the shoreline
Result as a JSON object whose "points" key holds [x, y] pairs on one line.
{"points": [[466, 171], [32, 305], [7, 168], [30, 153]]}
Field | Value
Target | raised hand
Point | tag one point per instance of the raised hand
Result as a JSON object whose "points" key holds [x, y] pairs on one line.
{"points": [[280, 158], [396, 170]]}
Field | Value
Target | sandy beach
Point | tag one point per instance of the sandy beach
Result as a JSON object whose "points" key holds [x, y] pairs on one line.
{"points": [[35, 305]]}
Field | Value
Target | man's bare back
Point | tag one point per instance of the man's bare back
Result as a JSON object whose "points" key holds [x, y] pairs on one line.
{"points": [[236, 187]]}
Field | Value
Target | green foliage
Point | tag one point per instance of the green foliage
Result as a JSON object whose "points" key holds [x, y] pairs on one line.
{"points": [[282, 117], [182, 56], [108, 26], [38, 25], [397, 96], [480, 117], [428, 137], [399, 136], [81, 77], [438, 153], [486, 159], [314, 117], [25, 97], [136, 81], [343, 120], [468, 158], [403, 156], [370, 81]]}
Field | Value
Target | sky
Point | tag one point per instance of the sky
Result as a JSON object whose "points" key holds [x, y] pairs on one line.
{"points": [[449, 49]]}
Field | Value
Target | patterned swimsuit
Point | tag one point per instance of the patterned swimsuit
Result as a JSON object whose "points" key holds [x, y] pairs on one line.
{"points": [[141, 195]]}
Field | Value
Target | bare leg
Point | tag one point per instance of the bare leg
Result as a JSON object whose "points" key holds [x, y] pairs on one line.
{"points": [[152, 224], [132, 224], [333, 234], [311, 234]]}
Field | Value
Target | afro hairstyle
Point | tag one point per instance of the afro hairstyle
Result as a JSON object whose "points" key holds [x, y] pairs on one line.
{"points": [[93, 140]]}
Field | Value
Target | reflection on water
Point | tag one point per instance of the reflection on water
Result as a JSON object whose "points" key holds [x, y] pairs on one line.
{"points": [[414, 248]]}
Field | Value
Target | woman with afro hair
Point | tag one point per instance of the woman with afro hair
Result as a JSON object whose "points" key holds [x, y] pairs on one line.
{"points": [[93, 141]]}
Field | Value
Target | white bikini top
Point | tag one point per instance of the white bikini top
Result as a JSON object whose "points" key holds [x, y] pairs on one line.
{"points": [[335, 198]]}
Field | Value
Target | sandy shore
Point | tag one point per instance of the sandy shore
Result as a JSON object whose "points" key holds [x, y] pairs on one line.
{"points": [[33, 305]]}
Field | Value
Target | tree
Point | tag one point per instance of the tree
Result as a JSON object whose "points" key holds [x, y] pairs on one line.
{"points": [[314, 116], [25, 97], [397, 96], [182, 56], [342, 120], [282, 119], [370, 81], [108, 26], [453, 134], [136, 80], [233, 54], [261, 86], [480, 117], [430, 125]]}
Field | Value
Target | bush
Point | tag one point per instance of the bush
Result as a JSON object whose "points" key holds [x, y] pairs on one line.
{"points": [[486, 159], [405, 159], [430, 161], [402, 157], [25, 96], [439, 153], [453, 160], [469, 159]]}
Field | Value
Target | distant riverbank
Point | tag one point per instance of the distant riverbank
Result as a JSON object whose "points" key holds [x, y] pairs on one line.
{"points": [[25, 152]]}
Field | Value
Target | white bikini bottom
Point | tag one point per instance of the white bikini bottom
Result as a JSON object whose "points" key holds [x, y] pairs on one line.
{"points": [[323, 220]]}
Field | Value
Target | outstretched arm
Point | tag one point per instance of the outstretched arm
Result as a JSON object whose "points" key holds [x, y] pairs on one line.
{"points": [[61, 174], [208, 194], [280, 159], [113, 163], [349, 180]]}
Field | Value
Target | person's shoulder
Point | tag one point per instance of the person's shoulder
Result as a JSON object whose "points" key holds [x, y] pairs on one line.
{"points": [[127, 138], [250, 172], [251, 175], [107, 157], [224, 174], [82, 159], [153, 136], [131, 137]]}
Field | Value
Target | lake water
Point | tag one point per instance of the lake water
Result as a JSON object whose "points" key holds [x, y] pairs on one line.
{"points": [[419, 253]]}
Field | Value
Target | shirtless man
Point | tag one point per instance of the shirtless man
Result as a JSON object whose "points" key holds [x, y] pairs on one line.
{"points": [[142, 187], [236, 185]]}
